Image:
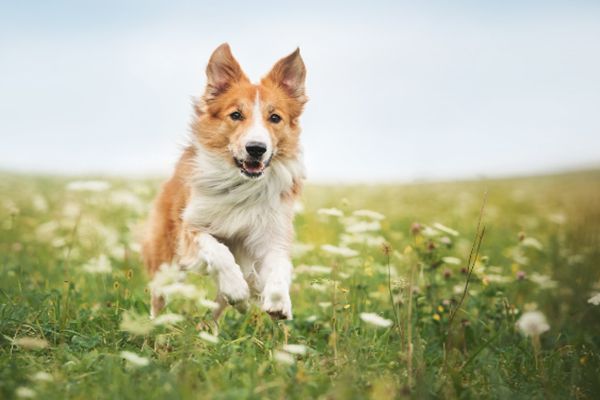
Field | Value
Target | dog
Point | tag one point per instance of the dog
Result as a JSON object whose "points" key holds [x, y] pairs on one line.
{"points": [[227, 210]]}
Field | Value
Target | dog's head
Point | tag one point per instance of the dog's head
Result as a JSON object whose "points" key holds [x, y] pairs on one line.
{"points": [[250, 125]]}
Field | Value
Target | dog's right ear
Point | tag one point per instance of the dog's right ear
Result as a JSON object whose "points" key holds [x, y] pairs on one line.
{"points": [[222, 71]]}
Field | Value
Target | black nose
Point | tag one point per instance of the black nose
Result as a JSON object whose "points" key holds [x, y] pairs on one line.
{"points": [[256, 149]]}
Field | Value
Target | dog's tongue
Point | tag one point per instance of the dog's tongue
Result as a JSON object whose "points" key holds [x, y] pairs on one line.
{"points": [[253, 166]]}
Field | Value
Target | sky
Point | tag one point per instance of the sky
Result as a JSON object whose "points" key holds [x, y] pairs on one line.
{"points": [[398, 91]]}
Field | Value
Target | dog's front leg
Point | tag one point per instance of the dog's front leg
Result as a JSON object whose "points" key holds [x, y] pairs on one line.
{"points": [[276, 276], [214, 258]]}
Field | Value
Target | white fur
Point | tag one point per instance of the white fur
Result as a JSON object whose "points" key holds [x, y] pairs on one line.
{"points": [[257, 132], [245, 220]]}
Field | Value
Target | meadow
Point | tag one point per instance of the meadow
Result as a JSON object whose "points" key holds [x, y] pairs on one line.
{"points": [[400, 291]]}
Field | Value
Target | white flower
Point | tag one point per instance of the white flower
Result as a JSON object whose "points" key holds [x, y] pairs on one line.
{"points": [[429, 231], [127, 199], [25, 392], [98, 265], [595, 299], [71, 210], [42, 376], [362, 239], [167, 319], [325, 304], [58, 242], [445, 229], [283, 358], [39, 203], [91, 186], [311, 318], [47, 230], [369, 214], [319, 287], [185, 290], [31, 343], [497, 278], [334, 212], [543, 280], [339, 251], [458, 289], [363, 226], [207, 337], [532, 242], [533, 323], [297, 349], [375, 320], [211, 305], [312, 269], [135, 359], [451, 260], [167, 274], [135, 324], [558, 218]]}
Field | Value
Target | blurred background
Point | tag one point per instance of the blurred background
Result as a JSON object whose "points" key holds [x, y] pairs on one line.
{"points": [[399, 91]]}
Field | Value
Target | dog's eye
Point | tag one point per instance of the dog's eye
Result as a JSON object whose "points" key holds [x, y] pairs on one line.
{"points": [[275, 118], [236, 116]]}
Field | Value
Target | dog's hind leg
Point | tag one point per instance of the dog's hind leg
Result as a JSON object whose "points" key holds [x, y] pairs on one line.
{"points": [[222, 305], [157, 303]]}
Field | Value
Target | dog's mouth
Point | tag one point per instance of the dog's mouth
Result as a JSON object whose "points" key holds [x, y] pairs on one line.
{"points": [[252, 168]]}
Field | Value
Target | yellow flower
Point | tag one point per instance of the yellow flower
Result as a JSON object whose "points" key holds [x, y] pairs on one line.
{"points": [[441, 309], [436, 317]]}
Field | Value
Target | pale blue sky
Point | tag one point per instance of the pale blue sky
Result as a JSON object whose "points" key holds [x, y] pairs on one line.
{"points": [[398, 91]]}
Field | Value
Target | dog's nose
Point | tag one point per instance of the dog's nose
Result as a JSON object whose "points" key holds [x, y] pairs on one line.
{"points": [[256, 149]]}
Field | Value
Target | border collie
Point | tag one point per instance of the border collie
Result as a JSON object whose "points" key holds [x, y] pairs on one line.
{"points": [[227, 210]]}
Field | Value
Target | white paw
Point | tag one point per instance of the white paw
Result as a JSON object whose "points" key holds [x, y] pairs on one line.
{"points": [[234, 289], [276, 302]]}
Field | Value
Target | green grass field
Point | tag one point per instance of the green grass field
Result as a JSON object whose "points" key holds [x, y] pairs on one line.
{"points": [[74, 297]]}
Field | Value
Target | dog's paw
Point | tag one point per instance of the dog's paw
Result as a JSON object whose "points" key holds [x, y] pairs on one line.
{"points": [[235, 290], [276, 302]]}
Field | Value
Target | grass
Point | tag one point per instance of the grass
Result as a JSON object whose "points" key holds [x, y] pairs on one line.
{"points": [[62, 329]]}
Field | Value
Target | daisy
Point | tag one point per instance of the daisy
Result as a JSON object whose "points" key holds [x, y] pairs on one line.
{"points": [[445, 229], [297, 349], [369, 214], [207, 337], [375, 320], [90, 186], [283, 358], [339, 251], [134, 359], [333, 212], [595, 299], [167, 319]]}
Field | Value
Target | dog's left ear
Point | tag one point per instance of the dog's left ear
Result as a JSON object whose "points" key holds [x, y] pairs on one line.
{"points": [[289, 73]]}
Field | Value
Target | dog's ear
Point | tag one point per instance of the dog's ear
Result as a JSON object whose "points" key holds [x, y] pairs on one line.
{"points": [[222, 71], [289, 73]]}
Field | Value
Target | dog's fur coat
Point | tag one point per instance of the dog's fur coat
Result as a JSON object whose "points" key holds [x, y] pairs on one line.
{"points": [[228, 208]]}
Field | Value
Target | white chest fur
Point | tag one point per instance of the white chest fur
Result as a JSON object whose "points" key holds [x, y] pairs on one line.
{"points": [[232, 207]]}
